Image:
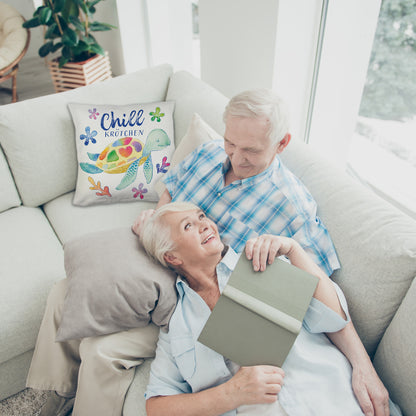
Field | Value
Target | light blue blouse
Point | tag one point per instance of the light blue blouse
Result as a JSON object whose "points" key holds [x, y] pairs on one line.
{"points": [[317, 375]]}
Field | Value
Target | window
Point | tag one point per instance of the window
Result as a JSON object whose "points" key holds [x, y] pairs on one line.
{"points": [[383, 147]]}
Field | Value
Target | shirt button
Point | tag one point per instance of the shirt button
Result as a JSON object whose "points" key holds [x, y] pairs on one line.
{"points": [[219, 194]]}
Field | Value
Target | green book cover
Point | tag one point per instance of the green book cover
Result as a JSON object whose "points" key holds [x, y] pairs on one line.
{"points": [[259, 314]]}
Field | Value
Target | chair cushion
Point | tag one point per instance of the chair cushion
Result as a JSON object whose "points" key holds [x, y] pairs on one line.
{"points": [[41, 148], [13, 36], [31, 261]]}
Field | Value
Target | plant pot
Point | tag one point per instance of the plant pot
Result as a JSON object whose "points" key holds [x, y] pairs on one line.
{"points": [[78, 74]]}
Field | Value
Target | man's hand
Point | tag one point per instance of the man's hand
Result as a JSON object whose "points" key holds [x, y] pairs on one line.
{"points": [[255, 385], [264, 249], [141, 219], [370, 392]]}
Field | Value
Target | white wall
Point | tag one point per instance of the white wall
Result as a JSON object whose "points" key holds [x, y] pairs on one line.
{"points": [[153, 33], [261, 44], [132, 44], [238, 42], [170, 32]]}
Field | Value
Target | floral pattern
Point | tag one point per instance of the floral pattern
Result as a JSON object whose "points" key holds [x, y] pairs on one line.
{"points": [[88, 136], [140, 190]]}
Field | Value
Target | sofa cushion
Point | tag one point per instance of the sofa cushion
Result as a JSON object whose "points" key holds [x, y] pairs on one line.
{"points": [[38, 135], [113, 286], [70, 221], [122, 151], [192, 95], [374, 241], [9, 196], [394, 359], [31, 260]]}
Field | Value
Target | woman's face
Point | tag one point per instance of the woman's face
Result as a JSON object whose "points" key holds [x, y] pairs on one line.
{"points": [[195, 236]]}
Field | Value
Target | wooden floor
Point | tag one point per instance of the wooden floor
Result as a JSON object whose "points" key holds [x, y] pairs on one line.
{"points": [[33, 80]]}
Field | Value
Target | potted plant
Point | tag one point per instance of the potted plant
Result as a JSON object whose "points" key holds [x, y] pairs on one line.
{"points": [[68, 30]]}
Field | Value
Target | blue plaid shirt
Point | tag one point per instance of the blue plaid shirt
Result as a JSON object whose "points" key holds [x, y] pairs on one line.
{"points": [[273, 202]]}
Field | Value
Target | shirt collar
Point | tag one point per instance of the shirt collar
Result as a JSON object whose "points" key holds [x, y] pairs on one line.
{"points": [[252, 180], [224, 269]]}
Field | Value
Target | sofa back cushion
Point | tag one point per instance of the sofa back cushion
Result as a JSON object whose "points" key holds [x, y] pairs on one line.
{"points": [[38, 135], [192, 95], [374, 241], [9, 196]]}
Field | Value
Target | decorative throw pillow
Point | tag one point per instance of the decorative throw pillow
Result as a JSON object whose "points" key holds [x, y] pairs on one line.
{"points": [[198, 133], [113, 285], [122, 150]]}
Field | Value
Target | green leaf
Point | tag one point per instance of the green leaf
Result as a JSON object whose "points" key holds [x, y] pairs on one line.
{"points": [[45, 13], [82, 47], [89, 40], [34, 22], [100, 27], [70, 37], [52, 32], [58, 5], [82, 5], [66, 52], [57, 46], [96, 48], [45, 49], [70, 9], [62, 61], [77, 23]]}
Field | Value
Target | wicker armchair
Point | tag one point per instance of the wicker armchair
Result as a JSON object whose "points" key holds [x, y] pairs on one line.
{"points": [[14, 42]]}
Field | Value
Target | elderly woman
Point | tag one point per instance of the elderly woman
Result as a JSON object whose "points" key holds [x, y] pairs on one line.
{"points": [[188, 378]]}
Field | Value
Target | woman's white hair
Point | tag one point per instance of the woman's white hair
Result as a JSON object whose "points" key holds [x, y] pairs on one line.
{"points": [[156, 236], [261, 103]]}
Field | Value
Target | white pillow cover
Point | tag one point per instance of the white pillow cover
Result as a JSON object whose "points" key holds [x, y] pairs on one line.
{"points": [[122, 150]]}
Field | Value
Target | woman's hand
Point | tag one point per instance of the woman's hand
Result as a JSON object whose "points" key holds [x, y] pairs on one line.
{"points": [[141, 219], [264, 249], [255, 385]]}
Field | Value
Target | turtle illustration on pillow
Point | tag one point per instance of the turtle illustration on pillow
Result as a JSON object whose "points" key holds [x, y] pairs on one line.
{"points": [[127, 155]]}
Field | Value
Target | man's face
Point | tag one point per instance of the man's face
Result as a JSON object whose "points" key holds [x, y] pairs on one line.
{"points": [[195, 236], [247, 146]]}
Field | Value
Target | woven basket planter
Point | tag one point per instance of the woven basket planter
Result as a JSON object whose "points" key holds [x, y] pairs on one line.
{"points": [[78, 74]]}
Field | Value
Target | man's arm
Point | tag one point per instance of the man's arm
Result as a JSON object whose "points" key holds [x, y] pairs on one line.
{"points": [[368, 388], [264, 249]]}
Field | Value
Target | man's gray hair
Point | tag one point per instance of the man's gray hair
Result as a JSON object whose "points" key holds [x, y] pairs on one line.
{"points": [[261, 103], [156, 236]]}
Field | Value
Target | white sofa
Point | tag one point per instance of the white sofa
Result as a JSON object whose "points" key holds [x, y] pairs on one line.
{"points": [[376, 244]]}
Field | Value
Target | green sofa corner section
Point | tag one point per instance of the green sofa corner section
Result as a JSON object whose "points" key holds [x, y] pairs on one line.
{"points": [[376, 244]]}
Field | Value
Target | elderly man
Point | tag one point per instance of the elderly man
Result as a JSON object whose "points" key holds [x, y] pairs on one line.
{"points": [[246, 190], [242, 185]]}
